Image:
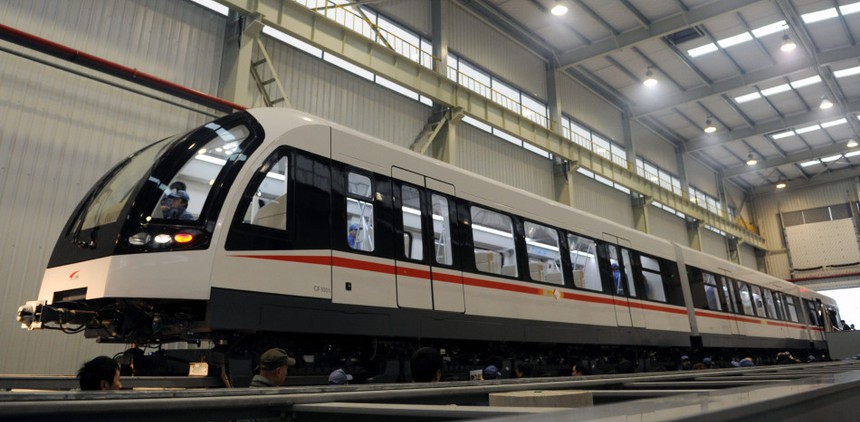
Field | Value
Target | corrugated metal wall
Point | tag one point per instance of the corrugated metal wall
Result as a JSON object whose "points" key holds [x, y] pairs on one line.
{"points": [[701, 177], [500, 160], [714, 244], [596, 198], [654, 149], [60, 132], [583, 105], [768, 206], [748, 258], [668, 226], [490, 49]]}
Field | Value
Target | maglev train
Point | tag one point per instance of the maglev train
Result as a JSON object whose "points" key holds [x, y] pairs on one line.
{"points": [[293, 225]]}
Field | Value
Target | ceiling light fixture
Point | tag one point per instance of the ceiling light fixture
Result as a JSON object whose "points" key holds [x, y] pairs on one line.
{"points": [[709, 126], [559, 9], [787, 44], [825, 103], [751, 161], [851, 143], [781, 185], [649, 78]]}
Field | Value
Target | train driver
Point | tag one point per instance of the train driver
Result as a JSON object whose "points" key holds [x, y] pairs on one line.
{"points": [[178, 206], [352, 236]]}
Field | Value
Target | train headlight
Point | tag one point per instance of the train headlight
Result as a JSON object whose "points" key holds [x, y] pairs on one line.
{"points": [[183, 237], [139, 239], [163, 238]]}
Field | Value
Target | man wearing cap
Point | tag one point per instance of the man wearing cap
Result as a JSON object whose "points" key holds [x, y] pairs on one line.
{"points": [[491, 373], [273, 369], [178, 206], [339, 377], [352, 236]]}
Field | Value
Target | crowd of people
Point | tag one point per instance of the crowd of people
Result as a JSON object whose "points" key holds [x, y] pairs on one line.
{"points": [[426, 365]]}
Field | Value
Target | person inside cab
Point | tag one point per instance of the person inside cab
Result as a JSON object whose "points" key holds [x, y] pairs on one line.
{"points": [[178, 206]]}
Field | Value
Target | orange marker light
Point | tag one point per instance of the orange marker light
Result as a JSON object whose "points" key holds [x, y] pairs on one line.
{"points": [[183, 237]]}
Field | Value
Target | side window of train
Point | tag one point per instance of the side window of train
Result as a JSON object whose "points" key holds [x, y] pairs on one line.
{"points": [[413, 231], [359, 212], [493, 238], [583, 261], [544, 253], [653, 278], [728, 289], [442, 238], [712, 294], [776, 301], [812, 313], [791, 308], [758, 301], [268, 208], [617, 272], [746, 301]]}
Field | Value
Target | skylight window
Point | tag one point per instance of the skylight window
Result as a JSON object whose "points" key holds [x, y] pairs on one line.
{"points": [[748, 97], [852, 154], [810, 163], [807, 129], [806, 82], [769, 29], [737, 39], [850, 8], [819, 15], [211, 5], [701, 51], [781, 135], [834, 123], [775, 90], [831, 158], [851, 71]]}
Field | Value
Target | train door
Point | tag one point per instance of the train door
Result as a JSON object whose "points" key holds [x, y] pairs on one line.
{"points": [[731, 303], [617, 261], [423, 227]]}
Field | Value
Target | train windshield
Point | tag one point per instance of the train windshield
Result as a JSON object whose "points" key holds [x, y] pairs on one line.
{"points": [[106, 205]]}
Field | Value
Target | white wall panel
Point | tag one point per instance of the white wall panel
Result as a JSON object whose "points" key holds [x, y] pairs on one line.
{"points": [[714, 244], [654, 149], [823, 243], [701, 177], [415, 15], [668, 226], [474, 40], [487, 155], [748, 257], [596, 198], [583, 105]]}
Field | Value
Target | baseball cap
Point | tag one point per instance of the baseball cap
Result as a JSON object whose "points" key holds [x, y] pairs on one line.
{"points": [[491, 372], [353, 227], [179, 194], [685, 357], [339, 377], [275, 358]]}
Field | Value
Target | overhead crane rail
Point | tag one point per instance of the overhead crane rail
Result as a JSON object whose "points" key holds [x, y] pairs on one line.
{"points": [[663, 396]]}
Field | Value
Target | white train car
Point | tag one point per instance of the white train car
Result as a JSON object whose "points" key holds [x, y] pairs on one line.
{"points": [[303, 227]]}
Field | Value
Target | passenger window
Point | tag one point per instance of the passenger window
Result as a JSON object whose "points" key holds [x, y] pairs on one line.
{"points": [[544, 255], [628, 274], [791, 308], [268, 208], [746, 301], [813, 313], [711, 292], [412, 223], [493, 236], [444, 254], [729, 294], [768, 303], [359, 212], [758, 303], [654, 289], [583, 260]]}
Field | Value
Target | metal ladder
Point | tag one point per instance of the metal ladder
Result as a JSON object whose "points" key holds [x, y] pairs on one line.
{"points": [[263, 84]]}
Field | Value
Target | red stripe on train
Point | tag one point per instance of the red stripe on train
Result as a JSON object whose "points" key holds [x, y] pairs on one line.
{"points": [[469, 281]]}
